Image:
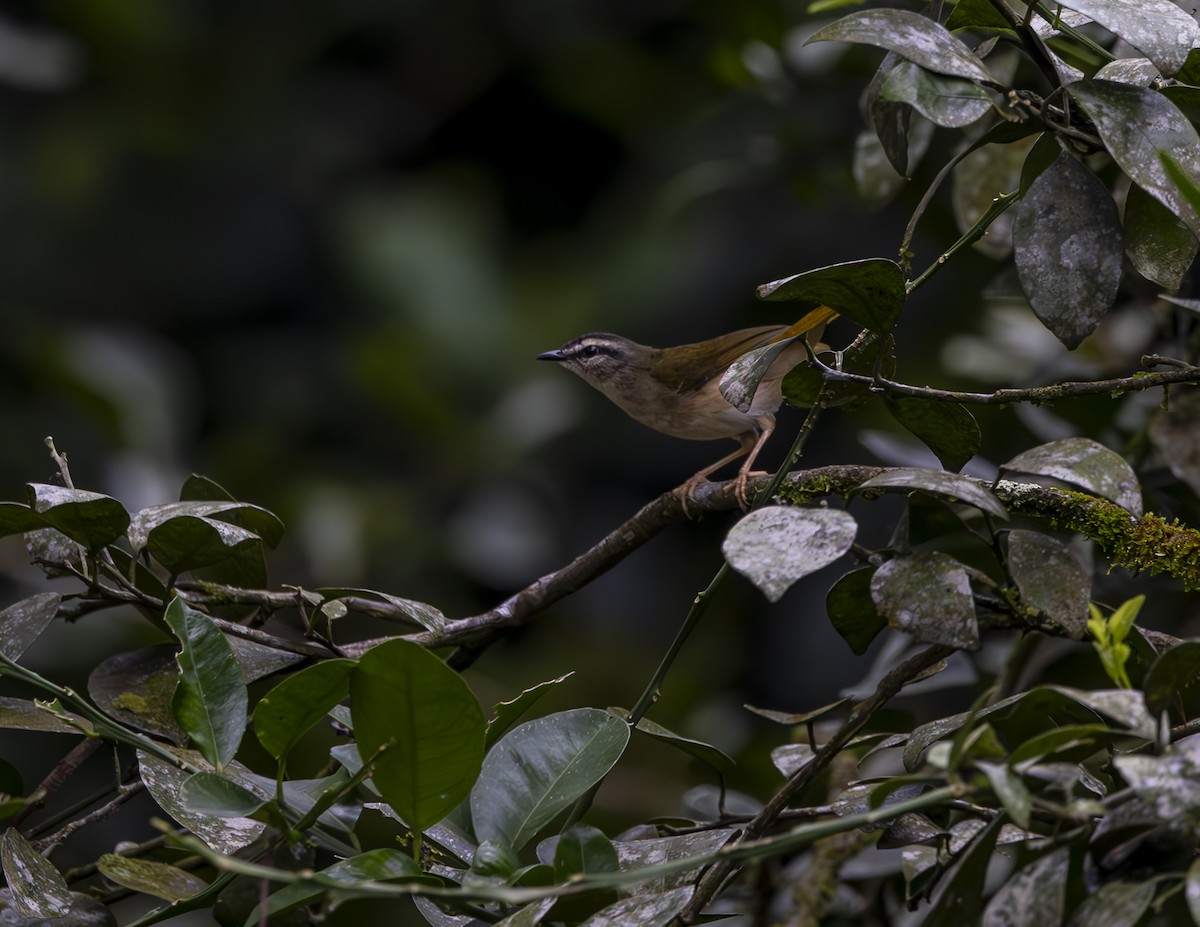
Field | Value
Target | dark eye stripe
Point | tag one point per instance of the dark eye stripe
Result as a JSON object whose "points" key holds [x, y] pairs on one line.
{"points": [[588, 349]]}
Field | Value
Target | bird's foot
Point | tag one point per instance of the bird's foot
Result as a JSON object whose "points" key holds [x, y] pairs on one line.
{"points": [[739, 489]]}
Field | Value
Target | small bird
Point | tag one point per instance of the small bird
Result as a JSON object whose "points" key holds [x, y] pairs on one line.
{"points": [[676, 390]]}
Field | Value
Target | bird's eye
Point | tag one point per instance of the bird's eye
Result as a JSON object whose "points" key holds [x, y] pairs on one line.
{"points": [[590, 350]]}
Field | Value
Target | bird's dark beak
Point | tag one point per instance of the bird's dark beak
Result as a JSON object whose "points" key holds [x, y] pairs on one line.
{"points": [[552, 355]]}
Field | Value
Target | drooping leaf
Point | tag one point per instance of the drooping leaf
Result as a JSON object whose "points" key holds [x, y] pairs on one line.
{"points": [[38, 889], [927, 595], [505, 714], [405, 699], [945, 101], [946, 428], [705, 752], [298, 702], [1140, 128], [911, 36], [1067, 245], [23, 622], [539, 769], [869, 292], [88, 518], [210, 701], [1116, 904], [775, 546], [1033, 895], [1160, 246], [948, 486], [1157, 28], [1051, 580], [151, 877], [853, 612], [1084, 463]]}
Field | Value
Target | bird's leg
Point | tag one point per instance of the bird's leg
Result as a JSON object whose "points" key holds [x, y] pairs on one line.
{"points": [[692, 482], [766, 426]]}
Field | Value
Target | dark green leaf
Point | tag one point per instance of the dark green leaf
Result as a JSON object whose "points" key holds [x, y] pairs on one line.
{"points": [[1050, 580], [580, 851], [210, 701], [869, 292], [945, 101], [947, 428], [910, 35], [164, 782], [927, 595], [852, 610], [1045, 151], [188, 542], [1011, 790], [1116, 904], [960, 899], [1069, 738], [805, 384], [1160, 246], [1084, 463], [151, 878], [88, 518], [1142, 128], [898, 133], [505, 714], [197, 488], [23, 622], [404, 698], [1157, 28], [948, 486], [539, 769], [1170, 674], [706, 753], [38, 889], [775, 546], [17, 519], [976, 14], [208, 793], [137, 688], [298, 702], [1067, 244], [250, 518]]}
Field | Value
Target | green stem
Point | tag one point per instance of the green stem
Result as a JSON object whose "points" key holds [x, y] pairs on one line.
{"points": [[972, 235]]}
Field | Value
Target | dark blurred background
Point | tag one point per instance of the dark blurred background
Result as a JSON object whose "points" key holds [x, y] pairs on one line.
{"points": [[311, 249]]}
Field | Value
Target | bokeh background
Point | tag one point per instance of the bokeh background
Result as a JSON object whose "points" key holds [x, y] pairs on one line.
{"points": [[310, 250]]}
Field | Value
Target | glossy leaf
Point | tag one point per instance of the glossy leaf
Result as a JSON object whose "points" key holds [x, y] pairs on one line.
{"points": [[23, 622], [88, 518], [949, 102], [869, 292], [1067, 245], [164, 781], [188, 542], [137, 689], [210, 701], [18, 519], [250, 518], [539, 769], [1051, 580], [949, 486], [211, 794], [1157, 28], [405, 698], [38, 888], [1160, 246], [775, 546], [505, 714], [853, 612], [150, 877], [1084, 463], [911, 36], [946, 428], [380, 865], [927, 595], [298, 702], [705, 752], [1174, 670], [1140, 128]]}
